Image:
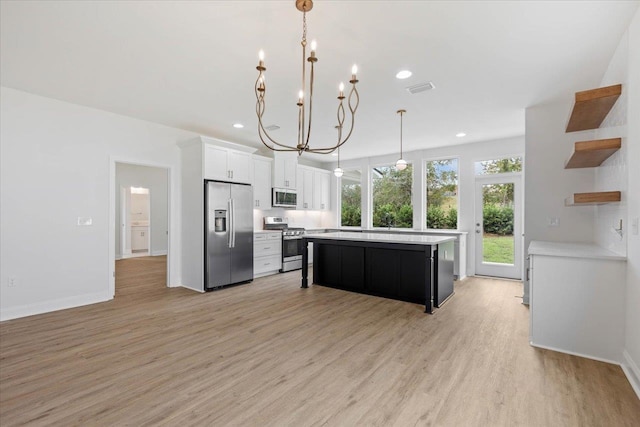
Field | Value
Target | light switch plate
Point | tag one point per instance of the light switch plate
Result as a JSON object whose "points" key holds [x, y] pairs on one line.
{"points": [[553, 221], [85, 220]]}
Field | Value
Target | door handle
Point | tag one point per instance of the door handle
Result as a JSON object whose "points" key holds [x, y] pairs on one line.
{"points": [[230, 231]]}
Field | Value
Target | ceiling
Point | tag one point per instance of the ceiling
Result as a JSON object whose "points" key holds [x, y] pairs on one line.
{"points": [[191, 65]]}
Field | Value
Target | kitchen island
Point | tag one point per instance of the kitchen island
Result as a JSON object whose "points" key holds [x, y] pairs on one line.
{"points": [[413, 268]]}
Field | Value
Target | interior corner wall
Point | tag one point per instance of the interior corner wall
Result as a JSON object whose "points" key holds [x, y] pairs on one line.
{"points": [[612, 174], [55, 168], [156, 180], [548, 183], [631, 352]]}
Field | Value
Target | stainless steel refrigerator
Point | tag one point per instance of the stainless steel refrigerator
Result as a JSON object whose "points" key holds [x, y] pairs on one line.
{"points": [[228, 234]]}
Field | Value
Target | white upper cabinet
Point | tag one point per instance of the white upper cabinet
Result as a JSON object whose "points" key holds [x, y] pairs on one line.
{"points": [[226, 165], [285, 170], [322, 187], [305, 188], [262, 182]]}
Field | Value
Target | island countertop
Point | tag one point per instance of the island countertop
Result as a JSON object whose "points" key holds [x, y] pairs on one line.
{"points": [[410, 239]]}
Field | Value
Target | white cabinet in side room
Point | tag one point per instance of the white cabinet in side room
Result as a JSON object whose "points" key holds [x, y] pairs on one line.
{"points": [[321, 190], [226, 165], [262, 182], [284, 171], [305, 188], [139, 238]]}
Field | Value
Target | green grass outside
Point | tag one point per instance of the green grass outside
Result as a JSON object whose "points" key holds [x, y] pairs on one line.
{"points": [[497, 249]]}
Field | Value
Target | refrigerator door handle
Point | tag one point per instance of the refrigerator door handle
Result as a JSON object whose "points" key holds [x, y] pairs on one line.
{"points": [[233, 204], [230, 230]]}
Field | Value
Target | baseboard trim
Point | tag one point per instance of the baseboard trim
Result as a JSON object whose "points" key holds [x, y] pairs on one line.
{"points": [[190, 288], [53, 305], [158, 253], [631, 371], [586, 356]]}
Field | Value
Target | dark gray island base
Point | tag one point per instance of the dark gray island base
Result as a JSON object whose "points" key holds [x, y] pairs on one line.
{"points": [[417, 269]]}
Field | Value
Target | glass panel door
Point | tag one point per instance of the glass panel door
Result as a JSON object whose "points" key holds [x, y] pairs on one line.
{"points": [[498, 227]]}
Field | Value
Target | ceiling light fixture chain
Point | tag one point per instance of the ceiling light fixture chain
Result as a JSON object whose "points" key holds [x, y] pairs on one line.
{"points": [[306, 102], [401, 164]]}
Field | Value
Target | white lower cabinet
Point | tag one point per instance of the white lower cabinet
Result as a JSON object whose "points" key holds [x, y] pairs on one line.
{"points": [[577, 299], [267, 253]]}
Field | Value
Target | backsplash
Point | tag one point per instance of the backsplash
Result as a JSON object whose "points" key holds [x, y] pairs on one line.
{"points": [[295, 218]]}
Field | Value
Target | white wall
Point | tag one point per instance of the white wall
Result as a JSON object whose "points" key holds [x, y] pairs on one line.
{"points": [[548, 183], [55, 167], [156, 180], [467, 154], [612, 174], [631, 352]]}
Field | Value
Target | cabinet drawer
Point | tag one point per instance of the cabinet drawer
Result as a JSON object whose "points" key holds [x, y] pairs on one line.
{"points": [[270, 247], [264, 264], [261, 237]]}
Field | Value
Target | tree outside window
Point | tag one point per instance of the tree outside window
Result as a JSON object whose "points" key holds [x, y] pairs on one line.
{"points": [[392, 197], [442, 194], [350, 189]]}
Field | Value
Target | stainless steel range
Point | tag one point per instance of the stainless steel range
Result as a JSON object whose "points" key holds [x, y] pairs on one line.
{"points": [[291, 242]]}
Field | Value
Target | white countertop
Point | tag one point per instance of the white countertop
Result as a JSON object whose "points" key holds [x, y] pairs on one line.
{"points": [[391, 231], [412, 239], [572, 250], [266, 231]]}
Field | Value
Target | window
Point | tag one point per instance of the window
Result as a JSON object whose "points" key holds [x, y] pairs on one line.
{"points": [[392, 197], [350, 199], [442, 194], [490, 167]]}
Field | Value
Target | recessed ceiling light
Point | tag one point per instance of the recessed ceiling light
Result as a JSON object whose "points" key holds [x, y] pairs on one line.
{"points": [[461, 135], [238, 125], [334, 154], [404, 74]]}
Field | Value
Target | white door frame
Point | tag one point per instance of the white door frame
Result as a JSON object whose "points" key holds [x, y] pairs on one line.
{"points": [[495, 269], [111, 269], [124, 221]]}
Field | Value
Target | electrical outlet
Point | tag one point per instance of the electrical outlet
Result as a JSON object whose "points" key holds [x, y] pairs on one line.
{"points": [[11, 282], [553, 221], [85, 220]]}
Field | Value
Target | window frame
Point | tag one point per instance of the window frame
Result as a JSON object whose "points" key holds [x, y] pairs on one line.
{"points": [[424, 182], [370, 194]]}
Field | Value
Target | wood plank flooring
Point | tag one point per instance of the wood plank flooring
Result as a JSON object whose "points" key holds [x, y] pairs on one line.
{"points": [[269, 353]]}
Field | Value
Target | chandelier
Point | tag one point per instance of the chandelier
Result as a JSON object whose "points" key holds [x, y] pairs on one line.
{"points": [[305, 100]]}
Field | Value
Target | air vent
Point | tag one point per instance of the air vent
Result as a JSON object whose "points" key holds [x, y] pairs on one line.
{"points": [[272, 127], [420, 88]]}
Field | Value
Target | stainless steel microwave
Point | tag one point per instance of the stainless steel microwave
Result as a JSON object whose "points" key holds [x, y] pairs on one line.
{"points": [[284, 198]]}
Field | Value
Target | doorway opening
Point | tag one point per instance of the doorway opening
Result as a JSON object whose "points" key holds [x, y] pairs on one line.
{"points": [[141, 229], [135, 224]]}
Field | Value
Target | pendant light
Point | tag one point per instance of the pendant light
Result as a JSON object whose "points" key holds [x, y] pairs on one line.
{"points": [[338, 172], [401, 164]]}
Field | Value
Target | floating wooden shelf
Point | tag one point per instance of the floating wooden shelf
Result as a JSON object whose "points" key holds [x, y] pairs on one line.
{"points": [[599, 198], [592, 106], [588, 154]]}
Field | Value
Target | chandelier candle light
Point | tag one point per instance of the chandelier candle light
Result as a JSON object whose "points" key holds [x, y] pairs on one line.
{"points": [[305, 103], [401, 164]]}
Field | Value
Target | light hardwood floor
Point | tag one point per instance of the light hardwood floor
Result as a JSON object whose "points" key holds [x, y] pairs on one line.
{"points": [[270, 353]]}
